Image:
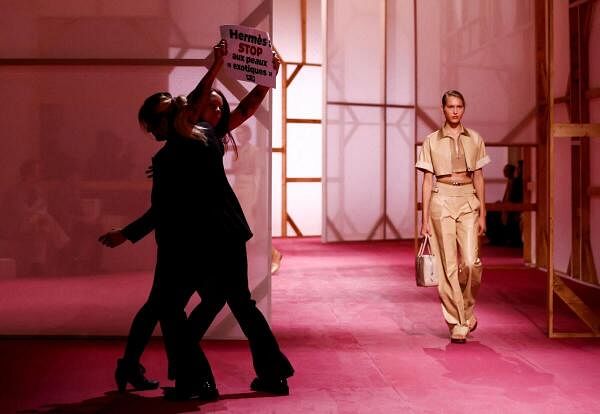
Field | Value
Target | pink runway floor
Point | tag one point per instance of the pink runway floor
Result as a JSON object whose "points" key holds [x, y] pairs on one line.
{"points": [[363, 339]]}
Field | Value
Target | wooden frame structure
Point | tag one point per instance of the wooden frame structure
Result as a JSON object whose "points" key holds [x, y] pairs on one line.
{"points": [[579, 131], [286, 80]]}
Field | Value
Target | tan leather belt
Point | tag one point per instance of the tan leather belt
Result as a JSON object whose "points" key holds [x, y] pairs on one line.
{"points": [[456, 182]]}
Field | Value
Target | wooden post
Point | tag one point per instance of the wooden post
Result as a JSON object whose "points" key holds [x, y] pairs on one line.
{"points": [[542, 127]]}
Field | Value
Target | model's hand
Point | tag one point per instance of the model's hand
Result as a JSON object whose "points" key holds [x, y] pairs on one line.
{"points": [[113, 238], [220, 50], [481, 225], [425, 230], [149, 171], [276, 62]]}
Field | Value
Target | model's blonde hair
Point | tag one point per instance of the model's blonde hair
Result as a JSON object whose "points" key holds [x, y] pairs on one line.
{"points": [[453, 93]]}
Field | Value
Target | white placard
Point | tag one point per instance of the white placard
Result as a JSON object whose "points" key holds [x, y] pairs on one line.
{"points": [[249, 55]]}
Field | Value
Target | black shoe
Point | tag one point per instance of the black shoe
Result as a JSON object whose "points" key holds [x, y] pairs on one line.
{"points": [[205, 391], [133, 373], [276, 386]]}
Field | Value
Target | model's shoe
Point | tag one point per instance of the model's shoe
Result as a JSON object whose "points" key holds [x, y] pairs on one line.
{"points": [[205, 391], [276, 386], [458, 334], [133, 373], [472, 324]]}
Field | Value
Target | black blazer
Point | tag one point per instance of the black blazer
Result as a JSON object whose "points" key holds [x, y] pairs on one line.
{"points": [[192, 202]]}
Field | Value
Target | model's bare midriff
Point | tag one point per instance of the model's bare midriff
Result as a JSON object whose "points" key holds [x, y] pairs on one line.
{"points": [[456, 178]]}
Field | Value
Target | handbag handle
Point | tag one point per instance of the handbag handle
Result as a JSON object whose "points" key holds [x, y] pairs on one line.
{"points": [[425, 243]]}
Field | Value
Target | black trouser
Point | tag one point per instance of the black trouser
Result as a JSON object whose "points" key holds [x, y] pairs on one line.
{"points": [[224, 280], [227, 282], [175, 280]]}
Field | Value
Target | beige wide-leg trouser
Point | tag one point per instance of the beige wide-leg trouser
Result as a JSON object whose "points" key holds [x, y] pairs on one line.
{"points": [[454, 211]]}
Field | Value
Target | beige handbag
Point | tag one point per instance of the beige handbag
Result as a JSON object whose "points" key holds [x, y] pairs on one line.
{"points": [[425, 265]]}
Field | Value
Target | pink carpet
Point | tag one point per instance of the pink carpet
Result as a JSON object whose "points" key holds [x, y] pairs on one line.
{"points": [[363, 339]]}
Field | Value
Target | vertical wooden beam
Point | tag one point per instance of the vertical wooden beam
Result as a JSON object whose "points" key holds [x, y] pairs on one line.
{"points": [[526, 215], [385, 122], [575, 115], [582, 263], [303, 19], [543, 100], [587, 258], [545, 94], [415, 97], [284, 85]]}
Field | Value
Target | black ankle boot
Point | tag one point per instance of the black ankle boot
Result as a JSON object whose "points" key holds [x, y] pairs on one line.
{"points": [[183, 391], [276, 386], [133, 373]]}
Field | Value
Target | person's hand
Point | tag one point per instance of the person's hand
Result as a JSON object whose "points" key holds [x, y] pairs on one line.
{"points": [[220, 50], [276, 62], [425, 230], [149, 171], [113, 238], [481, 226]]}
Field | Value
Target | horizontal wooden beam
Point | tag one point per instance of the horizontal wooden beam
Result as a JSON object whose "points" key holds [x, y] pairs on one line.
{"points": [[563, 335], [576, 130], [376, 105], [104, 62], [303, 180], [303, 121], [303, 63]]}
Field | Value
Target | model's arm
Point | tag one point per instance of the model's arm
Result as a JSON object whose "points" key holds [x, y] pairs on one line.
{"points": [[425, 199], [479, 184], [251, 102]]}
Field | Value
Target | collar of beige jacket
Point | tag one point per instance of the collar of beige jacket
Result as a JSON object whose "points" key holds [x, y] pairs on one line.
{"points": [[444, 134]]}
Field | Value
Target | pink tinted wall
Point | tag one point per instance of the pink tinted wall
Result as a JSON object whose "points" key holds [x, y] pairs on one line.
{"points": [[73, 156], [369, 125]]}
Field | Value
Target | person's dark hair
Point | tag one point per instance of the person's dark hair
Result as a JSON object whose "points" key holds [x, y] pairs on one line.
{"points": [[147, 112], [222, 128], [453, 93]]}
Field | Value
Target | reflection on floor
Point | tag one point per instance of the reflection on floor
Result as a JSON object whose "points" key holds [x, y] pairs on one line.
{"points": [[363, 339]]}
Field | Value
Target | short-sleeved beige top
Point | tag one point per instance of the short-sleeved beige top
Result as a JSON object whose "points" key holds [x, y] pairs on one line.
{"points": [[441, 155]]}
